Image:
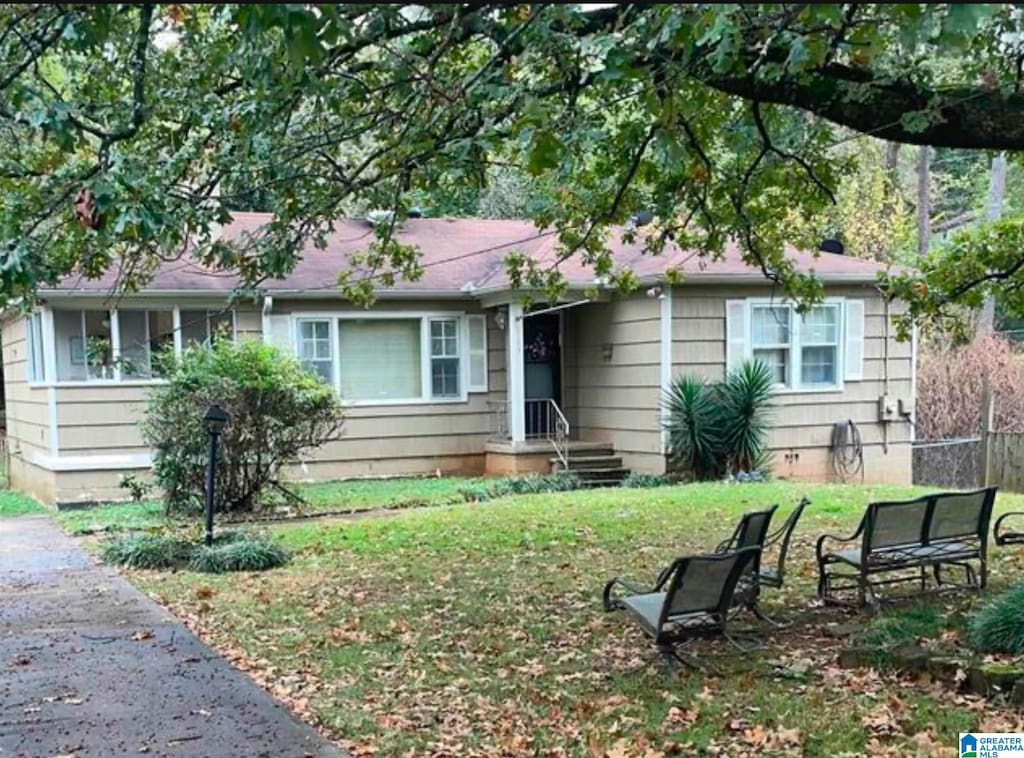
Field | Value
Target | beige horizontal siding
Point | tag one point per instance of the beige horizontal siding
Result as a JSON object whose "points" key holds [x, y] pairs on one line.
{"points": [[616, 400], [803, 421]]}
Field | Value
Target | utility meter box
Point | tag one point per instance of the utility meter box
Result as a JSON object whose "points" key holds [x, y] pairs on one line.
{"points": [[888, 408]]}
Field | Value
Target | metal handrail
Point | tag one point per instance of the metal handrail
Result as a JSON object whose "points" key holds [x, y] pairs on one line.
{"points": [[544, 421]]}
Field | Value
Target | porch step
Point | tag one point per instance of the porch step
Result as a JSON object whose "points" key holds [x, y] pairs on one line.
{"points": [[596, 464], [588, 462]]}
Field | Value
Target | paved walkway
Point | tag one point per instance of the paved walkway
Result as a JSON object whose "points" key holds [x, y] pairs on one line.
{"points": [[91, 667]]}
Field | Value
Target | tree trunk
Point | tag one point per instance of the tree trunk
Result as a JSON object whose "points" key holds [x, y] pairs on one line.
{"points": [[924, 205], [993, 212], [892, 162]]}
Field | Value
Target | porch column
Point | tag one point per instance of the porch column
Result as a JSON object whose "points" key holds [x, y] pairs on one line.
{"points": [[516, 374]]}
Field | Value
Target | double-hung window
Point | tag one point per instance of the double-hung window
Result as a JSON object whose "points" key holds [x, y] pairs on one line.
{"points": [[314, 343], [771, 339], [818, 350], [819, 347], [444, 357]]}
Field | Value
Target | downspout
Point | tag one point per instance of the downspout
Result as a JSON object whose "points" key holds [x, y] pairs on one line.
{"points": [[885, 370]]}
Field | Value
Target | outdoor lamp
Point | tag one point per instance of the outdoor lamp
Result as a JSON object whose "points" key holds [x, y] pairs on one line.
{"points": [[215, 419]]}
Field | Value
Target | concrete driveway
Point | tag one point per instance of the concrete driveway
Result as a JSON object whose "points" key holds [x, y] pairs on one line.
{"points": [[91, 667]]}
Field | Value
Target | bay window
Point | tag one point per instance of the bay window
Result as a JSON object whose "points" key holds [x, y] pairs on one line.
{"points": [[144, 336], [84, 345], [202, 327], [34, 353]]}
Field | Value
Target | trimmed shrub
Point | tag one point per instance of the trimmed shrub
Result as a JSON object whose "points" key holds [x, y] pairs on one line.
{"points": [[277, 410], [241, 554], [146, 551], [524, 485], [999, 626], [645, 480]]}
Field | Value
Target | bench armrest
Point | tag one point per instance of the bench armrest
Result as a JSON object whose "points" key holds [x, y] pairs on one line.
{"points": [[634, 589], [819, 547], [998, 527]]}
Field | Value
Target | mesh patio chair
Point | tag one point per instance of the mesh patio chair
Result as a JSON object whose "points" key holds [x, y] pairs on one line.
{"points": [[693, 599], [751, 531]]}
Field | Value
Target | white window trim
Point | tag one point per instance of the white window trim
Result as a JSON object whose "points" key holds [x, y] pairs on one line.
{"points": [[424, 317], [795, 353], [50, 345]]}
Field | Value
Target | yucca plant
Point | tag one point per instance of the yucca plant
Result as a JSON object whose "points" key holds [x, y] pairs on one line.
{"points": [[746, 399], [694, 427]]}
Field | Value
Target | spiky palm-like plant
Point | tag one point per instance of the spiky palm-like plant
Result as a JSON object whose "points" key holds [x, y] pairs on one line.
{"points": [[746, 403], [694, 428]]}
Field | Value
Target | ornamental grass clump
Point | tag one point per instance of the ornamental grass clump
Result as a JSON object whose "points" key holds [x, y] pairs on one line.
{"points": [[242, 554], [146, 551], [999, 626], [230, 551]]}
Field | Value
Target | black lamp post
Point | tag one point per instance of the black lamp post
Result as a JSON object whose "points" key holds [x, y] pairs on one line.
{"points": [[215, 419]]}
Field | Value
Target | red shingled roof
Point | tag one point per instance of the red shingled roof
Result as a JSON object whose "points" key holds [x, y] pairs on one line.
{"points": [[463, 254]]}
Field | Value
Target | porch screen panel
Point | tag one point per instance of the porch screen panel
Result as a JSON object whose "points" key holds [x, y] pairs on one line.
{"points": [[380, 359]]}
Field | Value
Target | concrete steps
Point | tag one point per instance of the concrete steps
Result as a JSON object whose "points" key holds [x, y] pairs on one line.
{"points": [[597, 466]]}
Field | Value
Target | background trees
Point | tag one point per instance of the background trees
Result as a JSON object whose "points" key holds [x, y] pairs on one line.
{"points": [[130, 131]]}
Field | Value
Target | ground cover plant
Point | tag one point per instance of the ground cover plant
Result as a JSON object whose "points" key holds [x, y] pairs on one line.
{"points": [[469, 630]]}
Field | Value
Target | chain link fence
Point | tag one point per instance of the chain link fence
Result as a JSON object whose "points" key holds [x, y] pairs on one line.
{"points": [[952, 464]]}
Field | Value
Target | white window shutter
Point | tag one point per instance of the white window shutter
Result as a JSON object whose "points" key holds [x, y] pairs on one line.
{"points": [[854, 320], [735, 333], [477, 328], [279, 333]]}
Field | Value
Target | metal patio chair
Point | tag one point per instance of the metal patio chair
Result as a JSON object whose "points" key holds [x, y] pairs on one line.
{"points": [[693, 599]]}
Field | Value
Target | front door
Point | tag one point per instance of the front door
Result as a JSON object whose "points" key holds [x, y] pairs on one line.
{"points": [[542, 354]]}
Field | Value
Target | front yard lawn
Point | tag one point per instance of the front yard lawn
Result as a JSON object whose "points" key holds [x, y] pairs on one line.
{"points": [[350, 495], [477, 629]]}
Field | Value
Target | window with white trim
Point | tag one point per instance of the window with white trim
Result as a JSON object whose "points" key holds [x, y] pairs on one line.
{"points": [[314, 347], [444, 357], [770, 337], [819, 347], [396, 357], [83, 343], [35, 355], [816, 351], [380, 359]]}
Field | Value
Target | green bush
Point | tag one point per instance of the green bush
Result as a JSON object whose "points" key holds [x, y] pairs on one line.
{"points": [[242, 554], [645, 480], [999, 626], [716, 429], [231, 551], [276, 410], [146, 551], [524, 485]]}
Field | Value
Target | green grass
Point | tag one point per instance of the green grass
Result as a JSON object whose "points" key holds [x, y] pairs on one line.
{"points": [[353, 495], [16, 504], [477, 629]]}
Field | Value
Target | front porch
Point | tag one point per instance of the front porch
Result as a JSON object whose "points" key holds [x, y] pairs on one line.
{"points": [[535, 428]]}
